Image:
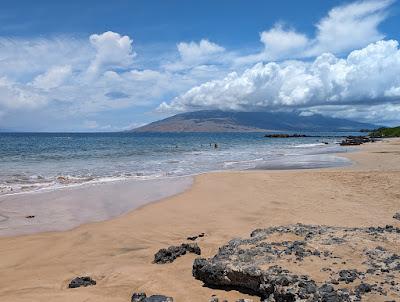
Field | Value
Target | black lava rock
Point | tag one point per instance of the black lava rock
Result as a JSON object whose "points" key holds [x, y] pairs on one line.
{"points": [[138, 297], [348, 275], [141, 297], [170, 254], [193, 238], [81, 281], [363, 288]]}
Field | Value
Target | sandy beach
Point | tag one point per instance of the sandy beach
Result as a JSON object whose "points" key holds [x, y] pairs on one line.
{"points": [[118, 253]]}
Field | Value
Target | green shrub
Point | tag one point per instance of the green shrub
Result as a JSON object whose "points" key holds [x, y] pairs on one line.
{"points": [[386, 132]]}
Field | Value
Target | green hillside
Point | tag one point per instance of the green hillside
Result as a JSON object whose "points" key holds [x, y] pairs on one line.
{"points": [[386, 132]]}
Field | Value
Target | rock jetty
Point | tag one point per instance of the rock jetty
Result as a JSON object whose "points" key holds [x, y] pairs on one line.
{"points": [[308, 263]]}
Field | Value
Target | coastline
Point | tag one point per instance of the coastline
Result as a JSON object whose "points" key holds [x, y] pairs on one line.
{"points": [[65, 208], [224, 205]]}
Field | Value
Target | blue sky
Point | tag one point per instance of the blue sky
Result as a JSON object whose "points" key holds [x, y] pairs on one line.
{"points": [[107, 66]]}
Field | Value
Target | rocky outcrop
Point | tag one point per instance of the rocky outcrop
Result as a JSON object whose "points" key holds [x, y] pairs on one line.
{"points": [[272, 264], [141, 297], [168, 255], [356, 140], [81, 281]]}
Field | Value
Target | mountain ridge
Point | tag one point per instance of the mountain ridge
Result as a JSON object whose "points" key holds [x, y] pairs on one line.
{"points": [[230, 121]]}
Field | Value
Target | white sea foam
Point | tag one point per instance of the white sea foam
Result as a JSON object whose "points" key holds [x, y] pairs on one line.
{"points": [[309, 145]]}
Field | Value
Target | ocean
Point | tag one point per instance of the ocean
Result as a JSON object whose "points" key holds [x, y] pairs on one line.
{"points": [[31, 162]]}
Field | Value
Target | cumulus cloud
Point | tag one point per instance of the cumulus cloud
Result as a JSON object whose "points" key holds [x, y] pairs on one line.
{"points": [[283, 42], [193, 52], [113, 51], [345, 28], [196, 53], [47, 73], [365, 76]]}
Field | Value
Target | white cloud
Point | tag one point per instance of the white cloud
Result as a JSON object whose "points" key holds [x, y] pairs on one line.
{"points": [[350, 26], [393, 92], [25, 58], [366, 76], [46, 73], [380, 114], [280, 42], [52, 78], [196, 53], [146, 75], [113, 51], [193, 52], [14, 96], [345, 28]]}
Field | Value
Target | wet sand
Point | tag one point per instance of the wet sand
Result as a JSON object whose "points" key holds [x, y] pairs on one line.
{"points": [[66, 208], [118, 253]]}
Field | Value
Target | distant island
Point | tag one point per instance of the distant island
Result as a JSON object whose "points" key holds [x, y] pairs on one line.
{"points": [[223, 121]]}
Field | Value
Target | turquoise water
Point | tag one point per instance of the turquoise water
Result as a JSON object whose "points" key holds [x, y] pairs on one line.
{"points": [[36, 161]]}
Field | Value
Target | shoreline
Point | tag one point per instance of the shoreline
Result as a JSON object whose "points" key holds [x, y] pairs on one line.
{"points": [[69, 207], [118, 253], [40, 182], [60, 209]]}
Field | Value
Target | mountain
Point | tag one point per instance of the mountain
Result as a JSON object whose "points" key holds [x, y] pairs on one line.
{"points": [[222, 121]]}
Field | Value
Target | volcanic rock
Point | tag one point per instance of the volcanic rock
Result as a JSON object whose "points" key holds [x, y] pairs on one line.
{"points": [[169, 254], [81, 281]]}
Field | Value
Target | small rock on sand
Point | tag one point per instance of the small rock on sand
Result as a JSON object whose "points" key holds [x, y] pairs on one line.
{"points": [[141, 297], [81, 281]]}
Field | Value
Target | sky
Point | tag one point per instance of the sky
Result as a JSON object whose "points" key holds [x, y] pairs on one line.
{"points": [[112, 66]]}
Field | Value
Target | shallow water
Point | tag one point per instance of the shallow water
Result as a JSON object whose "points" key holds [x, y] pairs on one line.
{"points": [[37, 161]]}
